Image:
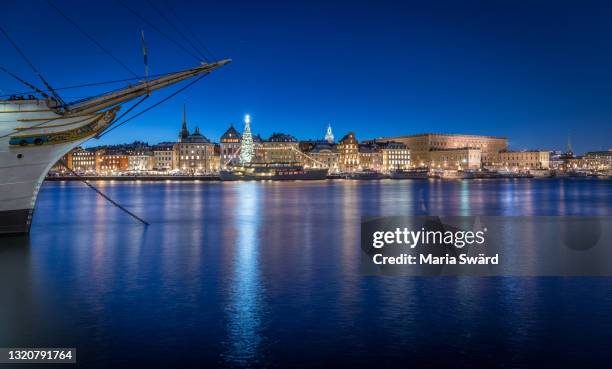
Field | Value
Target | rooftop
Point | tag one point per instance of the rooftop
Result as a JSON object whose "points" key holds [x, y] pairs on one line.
{"points": [[442, 134]]}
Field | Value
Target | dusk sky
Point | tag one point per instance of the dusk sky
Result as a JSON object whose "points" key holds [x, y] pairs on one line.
{"points": [[533, 72]]}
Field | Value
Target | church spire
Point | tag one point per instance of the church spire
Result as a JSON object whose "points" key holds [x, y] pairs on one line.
{"points": [[329, 136], [184, 133]]}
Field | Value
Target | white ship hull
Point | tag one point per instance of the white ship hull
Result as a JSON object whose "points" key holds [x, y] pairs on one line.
{"points": [[32, 139]]}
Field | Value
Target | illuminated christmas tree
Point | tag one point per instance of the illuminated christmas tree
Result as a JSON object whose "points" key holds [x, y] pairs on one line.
{"points": [[246, 148]]}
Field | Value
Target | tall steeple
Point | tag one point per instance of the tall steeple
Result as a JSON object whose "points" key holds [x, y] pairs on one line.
{"points": [[329, 136], [184, 133], [570, 152], [246, 148]]}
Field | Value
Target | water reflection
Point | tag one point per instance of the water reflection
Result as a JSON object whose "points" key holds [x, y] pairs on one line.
{"points": [[258, 274], [246, 292]]}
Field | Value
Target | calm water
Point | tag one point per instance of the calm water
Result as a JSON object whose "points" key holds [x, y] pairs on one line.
{"points": [[267, 274]]}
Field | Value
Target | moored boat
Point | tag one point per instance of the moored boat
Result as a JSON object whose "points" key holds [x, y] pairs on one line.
{"points": [[416, 173], [540, 173], [272, 172], [367, 175]]}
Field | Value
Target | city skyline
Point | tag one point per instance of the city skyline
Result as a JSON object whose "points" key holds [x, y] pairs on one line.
{"points": [[539, 73]]}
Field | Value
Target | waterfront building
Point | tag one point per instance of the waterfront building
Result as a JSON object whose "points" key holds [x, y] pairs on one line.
{"points": [[140, 161], [323, 155], [422, 145], [455, 159], [194, 152], [281, 148], [524, 160], [329, 135], [598, 160], [83, 160], [229, 146], [163, 156], [111, 161], [370, 157], [395, 156], [348, 151], [593, 160]]}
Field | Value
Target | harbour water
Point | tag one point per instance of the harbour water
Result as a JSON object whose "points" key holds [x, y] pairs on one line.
{"points": [[267, 275]]}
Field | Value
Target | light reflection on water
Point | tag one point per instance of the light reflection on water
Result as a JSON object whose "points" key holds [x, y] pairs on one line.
{"points": [[265, 274], [245, 306]]}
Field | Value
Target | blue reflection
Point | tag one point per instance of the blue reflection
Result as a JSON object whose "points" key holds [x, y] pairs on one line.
{"points": [[245, 311]]}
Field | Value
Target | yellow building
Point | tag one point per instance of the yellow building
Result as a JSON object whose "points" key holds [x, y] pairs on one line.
{"points": [[395, 156], [598, 160], [279, 148], [455, 159], [370, 157], [422, 145], [524, 160], [323, 155], [194, 153], [348, 153]]}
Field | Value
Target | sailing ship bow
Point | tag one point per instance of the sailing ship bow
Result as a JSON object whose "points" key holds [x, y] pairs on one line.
{"points": [[114, 98]]}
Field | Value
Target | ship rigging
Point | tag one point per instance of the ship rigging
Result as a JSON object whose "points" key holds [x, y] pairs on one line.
{"points": [[35, 132]]}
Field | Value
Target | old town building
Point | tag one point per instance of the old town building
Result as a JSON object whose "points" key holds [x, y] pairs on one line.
{"points": [[524, 160], [348, 150], [163, 157], [194, 152], [82, 160], [370, 157], [229, 146], [323, 155], [279, 148]]}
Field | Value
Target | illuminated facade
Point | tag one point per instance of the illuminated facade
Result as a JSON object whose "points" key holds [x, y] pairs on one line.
{"points": [[163, 156], [194, 152], [422, 145], [111, 161], [395, 156], [348, 151], [370, 157], [229, 146], [324, 155], [524, 160], [83, 160], [279, 148], [455, 159]]}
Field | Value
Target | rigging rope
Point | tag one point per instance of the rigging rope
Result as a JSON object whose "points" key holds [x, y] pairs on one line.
{"points": [[192, 33], [86, 182], [98, 83], [178, 30], [90, 37], [10, 40], [125, 113], [158, 30], [24, 82], [154, 105]]}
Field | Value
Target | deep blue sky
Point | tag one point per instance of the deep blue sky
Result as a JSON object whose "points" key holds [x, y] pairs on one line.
{"points": [[533, 72]]}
